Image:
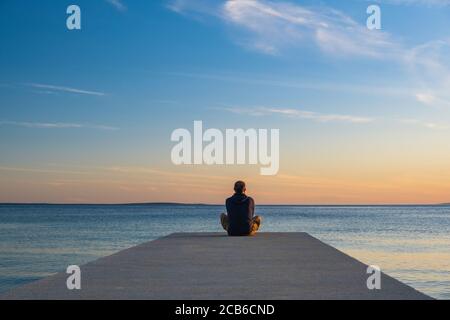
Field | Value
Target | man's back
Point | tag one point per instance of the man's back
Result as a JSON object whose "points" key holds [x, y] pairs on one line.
{"points": [[240, 209]]}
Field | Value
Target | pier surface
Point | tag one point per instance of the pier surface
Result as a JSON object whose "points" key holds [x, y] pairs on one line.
{"points": [[214, 266]]}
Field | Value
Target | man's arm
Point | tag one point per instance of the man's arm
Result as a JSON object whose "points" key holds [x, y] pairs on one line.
{"points": [[252, 207]]}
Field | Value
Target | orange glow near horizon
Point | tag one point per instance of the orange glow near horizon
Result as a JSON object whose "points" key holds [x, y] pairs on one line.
{"points": [[396, 167], [211, 186]]}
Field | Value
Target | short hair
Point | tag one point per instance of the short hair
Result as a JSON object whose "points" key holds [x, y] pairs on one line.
{"points": [[239, 186]]}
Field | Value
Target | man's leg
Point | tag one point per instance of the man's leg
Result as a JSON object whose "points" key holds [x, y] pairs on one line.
{"points": [[224, 221], [256, 223]]}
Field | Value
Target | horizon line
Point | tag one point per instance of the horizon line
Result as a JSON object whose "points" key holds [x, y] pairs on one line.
{"points": [[215, 204]]}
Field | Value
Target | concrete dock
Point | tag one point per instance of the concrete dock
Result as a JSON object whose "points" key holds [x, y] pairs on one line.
{"points": [[214, 266]]}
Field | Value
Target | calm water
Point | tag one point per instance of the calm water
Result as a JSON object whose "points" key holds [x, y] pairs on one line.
{"points": [[410, 243]]}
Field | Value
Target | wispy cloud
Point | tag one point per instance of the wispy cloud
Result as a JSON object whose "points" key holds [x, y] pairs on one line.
{"points": [[53, 88], [426, 98], [274, 27], [429, 64], [56, 125], [118, 4], [432, 100], [279, 24], [428, 3], [293, 83], [324, 117], [270, 27], [425, 124], [300, 114]]}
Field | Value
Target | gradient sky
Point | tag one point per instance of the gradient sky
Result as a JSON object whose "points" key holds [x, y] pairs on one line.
{"points": [[86, 116]]}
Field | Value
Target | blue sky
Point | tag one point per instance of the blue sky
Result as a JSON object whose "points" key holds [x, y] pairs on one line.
{"points": [[111, 93]]}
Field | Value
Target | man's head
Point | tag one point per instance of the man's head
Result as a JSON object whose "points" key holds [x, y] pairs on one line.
{"points": [[239, 187]]}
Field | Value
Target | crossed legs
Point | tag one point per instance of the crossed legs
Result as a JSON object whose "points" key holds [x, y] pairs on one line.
{"points": [[256, 223]]}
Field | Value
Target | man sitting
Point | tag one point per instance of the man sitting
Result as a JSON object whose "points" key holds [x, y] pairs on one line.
{"points": [[240, 220]]}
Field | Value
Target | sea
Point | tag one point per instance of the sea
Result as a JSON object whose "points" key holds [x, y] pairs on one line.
{"points": [[410, 243]]}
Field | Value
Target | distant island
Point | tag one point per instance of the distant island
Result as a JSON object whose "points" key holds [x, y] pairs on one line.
{"points": [[106, 204]]}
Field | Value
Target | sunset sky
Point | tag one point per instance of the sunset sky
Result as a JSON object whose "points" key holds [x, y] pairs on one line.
{"points": [[86, 116]]}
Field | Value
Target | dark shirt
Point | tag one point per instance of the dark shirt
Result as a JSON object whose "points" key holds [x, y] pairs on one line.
{"points": [[240, 209]]}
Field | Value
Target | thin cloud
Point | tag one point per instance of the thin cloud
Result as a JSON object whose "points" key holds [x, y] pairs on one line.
{"points": [[270, 27], [274, 27], [425, 124], [427, 3], [55, 125], [118, 4], [53, 88], [432, 100], [321, 86], [320, 117], [300, 114], [426, 98], [429, 63]]}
